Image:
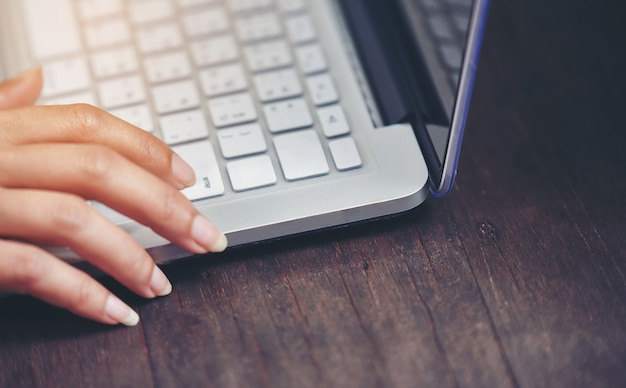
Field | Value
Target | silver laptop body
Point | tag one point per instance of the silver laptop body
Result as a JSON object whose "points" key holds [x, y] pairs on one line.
{"points": [[324, 59]]}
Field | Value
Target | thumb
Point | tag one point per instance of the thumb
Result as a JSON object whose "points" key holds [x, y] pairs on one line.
{"points": [[22, 90]]}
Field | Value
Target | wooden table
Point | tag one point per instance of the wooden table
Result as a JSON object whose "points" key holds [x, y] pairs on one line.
{"points": [[516, 279]]}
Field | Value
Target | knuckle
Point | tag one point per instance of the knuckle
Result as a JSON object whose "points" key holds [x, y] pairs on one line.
{"points": [[28, 270], [84, 293], [141, 269], [98, 162], [69, 214], [169, 208], [86, 120]]}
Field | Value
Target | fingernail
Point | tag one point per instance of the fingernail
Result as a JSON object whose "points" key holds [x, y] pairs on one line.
{"points": [[119, 312], [183, 173], [159, 283], [208, 236]]}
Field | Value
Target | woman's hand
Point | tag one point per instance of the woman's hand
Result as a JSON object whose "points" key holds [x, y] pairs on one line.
{"points": [[55, 158]]}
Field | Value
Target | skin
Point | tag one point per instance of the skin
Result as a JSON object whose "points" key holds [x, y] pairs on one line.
{"points": [[53, 159]]}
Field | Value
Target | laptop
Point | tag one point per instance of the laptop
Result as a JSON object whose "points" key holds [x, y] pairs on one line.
{"points": [[296, 115]]}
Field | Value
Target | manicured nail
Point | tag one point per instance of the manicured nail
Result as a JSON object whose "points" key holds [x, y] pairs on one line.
{"points": [[159, 283], [183, 173], [208, 236], [119, 312]]}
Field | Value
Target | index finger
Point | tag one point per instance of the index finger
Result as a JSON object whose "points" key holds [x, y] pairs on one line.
{"points": [[82, 123]]}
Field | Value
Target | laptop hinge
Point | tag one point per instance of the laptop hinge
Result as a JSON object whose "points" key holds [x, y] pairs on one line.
{"points": [[391, 60]]}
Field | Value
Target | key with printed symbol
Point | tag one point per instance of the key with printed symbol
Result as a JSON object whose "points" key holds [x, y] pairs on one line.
{"points": [[114, 61], [311, 59], [158, 38], [285, 115], [121, 92], [201, 157], [258, 27], [333, 119], [167, 67], [212, 51], [267, 55], [231, 110], [223, 80], [183, 127], [277, 85], [241, 140], [175, 96], [300, 29], [322, 89], [205, 22]]}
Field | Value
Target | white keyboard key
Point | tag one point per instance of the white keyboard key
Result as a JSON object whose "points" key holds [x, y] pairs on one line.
{"points": [[106, 33], [311, 59], [194, 3], [242, 140], [113, 62], [289, 6], [258, 27], [286, 115], [201, 158], [212, 51], [140, 116], [223, 80], [175, 97], [301, 155], [345, 154], [92, 9], [52, 27], [231, 110], [184, 127], [148, 11], [82, 97], [158, 38], [248, 5], [251, 173], [121, 92], [333, 119], [65, 76], [300, 29], [267, 55], [205, 22], [167, 67], [322, 89], [277, 85]]}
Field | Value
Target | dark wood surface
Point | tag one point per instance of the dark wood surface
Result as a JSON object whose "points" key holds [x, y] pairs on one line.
{"points": [[515, 279]]}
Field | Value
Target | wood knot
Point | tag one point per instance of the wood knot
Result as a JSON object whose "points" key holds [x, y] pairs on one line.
{"points": [[488, 230]]}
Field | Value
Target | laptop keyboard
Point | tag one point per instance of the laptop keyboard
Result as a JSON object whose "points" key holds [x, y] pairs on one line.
{"points": [[241, 89]]}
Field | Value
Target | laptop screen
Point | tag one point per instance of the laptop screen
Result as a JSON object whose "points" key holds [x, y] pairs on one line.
{"points": [[420, 56], [447, 34]]}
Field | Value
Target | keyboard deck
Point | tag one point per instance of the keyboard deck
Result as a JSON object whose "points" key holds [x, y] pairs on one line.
{"points": [[241, 89]]}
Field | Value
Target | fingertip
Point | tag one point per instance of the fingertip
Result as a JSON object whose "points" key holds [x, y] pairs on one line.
{"points": [[22, 90], [119, 312]]}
